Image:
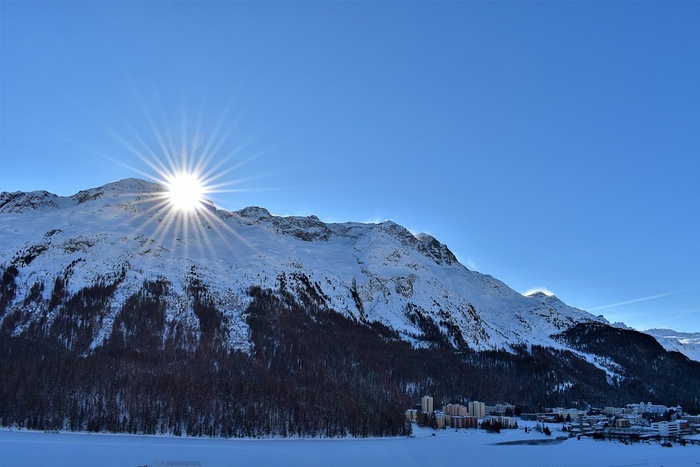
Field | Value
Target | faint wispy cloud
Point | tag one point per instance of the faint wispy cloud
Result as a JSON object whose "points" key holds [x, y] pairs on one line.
{"points": [[470, 264], [637, 300], [374, 220], [544, 290]]}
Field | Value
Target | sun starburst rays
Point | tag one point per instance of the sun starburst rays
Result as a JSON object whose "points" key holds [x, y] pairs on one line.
{"points": [[190, 170]]}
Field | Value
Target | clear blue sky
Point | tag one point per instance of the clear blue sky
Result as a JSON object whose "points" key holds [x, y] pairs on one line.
{"points": [[551, 145]]}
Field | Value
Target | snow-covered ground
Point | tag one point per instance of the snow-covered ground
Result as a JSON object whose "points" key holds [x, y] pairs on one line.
{"points": [[466, 447]]}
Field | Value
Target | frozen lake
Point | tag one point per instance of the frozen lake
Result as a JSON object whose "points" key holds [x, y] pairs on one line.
{"points": [[470, 447]]}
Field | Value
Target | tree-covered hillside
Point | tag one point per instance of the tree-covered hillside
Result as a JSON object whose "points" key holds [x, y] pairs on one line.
{"points": [[311, 371]]}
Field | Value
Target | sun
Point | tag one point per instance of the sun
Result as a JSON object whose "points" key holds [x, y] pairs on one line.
{"points": [[189, 163], [185, 191]]}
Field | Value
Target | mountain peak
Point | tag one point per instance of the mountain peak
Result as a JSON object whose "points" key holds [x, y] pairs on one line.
{"points": [[541, 294], [375, 272], [120, 188], [132, 186], [19, 201]]}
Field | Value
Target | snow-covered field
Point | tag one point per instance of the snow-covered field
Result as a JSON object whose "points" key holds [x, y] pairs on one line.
{"points": [[470, 447]]}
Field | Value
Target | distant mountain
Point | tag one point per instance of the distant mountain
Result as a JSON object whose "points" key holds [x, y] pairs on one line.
{"points": [[687, 343], [118, 313]]}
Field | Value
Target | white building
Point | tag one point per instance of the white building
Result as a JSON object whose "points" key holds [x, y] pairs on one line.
{"points": [[610, 411], [573, 414], [653, 408], [506, 422], [426, 404], [667, 429], [477, 409], [502, 408], [411, 415]]}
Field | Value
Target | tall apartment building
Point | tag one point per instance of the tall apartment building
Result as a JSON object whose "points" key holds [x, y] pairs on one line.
{"points": [[456, 410], [426, 404], [477, 409]]}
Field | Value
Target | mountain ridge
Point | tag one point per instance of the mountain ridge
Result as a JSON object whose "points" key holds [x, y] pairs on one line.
{"points": [[687, 343], [119, 313], [391, 270]]}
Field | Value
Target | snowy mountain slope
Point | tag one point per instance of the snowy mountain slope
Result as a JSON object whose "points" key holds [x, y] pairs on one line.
{"points": [[687, 343], [120, 314], [125, 233]]}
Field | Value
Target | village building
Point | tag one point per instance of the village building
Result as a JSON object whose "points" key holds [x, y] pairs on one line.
{"points": [[500, 409], [411, 415], [506, 422], [440, 420], [477, 409], [455, 409], [612, 411], [549, 417], [622, 423], [426, 404], [667, 429], [463, 421], [570, 415]]}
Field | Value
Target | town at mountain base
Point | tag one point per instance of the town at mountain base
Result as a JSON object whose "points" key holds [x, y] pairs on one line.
{"points": [[113, 319]]}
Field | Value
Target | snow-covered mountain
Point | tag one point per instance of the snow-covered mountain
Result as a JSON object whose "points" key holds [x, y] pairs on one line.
{"points": [[120, 313], [124, 234], [687, 343]]}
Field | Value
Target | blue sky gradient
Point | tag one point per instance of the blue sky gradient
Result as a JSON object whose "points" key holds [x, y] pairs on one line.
{"points": [[550, 144]]}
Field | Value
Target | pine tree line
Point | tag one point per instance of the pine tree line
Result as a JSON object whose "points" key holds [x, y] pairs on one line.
{"points": [[311, 372]]}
